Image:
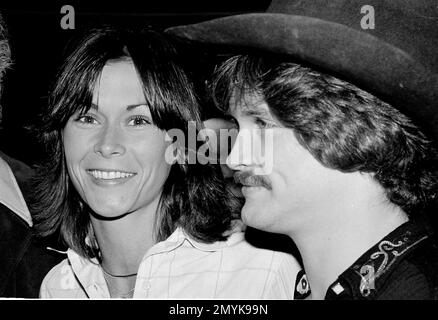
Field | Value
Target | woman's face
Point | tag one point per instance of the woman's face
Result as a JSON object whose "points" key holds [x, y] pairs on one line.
{"points": [[114, 153]]}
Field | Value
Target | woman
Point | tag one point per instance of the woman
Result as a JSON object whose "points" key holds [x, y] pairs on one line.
{"points": [[136, 224]]}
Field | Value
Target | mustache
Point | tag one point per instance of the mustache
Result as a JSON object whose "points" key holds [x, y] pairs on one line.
{"points": [[246, 178]]}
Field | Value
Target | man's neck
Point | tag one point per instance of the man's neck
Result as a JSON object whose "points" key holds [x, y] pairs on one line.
{"points": [[328, 251]]}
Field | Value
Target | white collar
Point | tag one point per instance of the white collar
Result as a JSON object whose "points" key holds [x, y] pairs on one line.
{"points": [[82, 266], [10, 194], [179, 237], [89, 274]]}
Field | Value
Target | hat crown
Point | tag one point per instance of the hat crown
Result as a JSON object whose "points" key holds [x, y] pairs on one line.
{"points": [[411, 25], [422, 9], [396, 59]]}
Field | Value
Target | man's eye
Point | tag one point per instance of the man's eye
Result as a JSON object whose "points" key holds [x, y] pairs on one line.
{"points": [[139, 121], [233, 121], [86, 119], [262, 124]]}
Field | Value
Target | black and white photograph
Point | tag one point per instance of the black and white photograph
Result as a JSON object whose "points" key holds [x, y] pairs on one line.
{"points": [[221, 157]]}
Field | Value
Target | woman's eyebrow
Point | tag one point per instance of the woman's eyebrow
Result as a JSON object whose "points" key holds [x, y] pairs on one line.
{"points": [[133, 106], [128, 107]]}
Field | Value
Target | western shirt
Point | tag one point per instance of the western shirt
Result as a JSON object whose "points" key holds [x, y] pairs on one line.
{"points": [[402, 265]]}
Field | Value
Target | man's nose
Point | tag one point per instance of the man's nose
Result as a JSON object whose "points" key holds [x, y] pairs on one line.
{"points": [[242, 154], [110, 142]]}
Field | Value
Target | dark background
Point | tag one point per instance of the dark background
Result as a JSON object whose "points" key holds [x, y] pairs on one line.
{"points": [[39, 44]]}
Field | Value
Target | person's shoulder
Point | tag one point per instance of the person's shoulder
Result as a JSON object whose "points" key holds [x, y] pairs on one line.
{"points": [[415, 277], [278, 269], [262, 257], [57, 272], [59, 279], [10, 221], [22, 172], [282, 267], [14, 232], [11, 196], [16, 237]]}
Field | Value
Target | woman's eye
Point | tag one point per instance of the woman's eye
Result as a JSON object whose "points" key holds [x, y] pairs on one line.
{"points": [[139, 121], [86, 119]]}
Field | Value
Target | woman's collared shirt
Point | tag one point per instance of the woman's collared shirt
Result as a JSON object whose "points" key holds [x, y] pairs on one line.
{"points": [[183, 268]]}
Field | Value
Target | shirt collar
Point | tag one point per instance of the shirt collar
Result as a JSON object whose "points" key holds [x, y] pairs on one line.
{"points": [[368, 274], [365, 278], [89, 275], [179, 237], [10, 194]]}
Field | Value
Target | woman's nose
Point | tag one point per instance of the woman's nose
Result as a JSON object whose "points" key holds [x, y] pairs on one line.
{"points": [[110, 142]]}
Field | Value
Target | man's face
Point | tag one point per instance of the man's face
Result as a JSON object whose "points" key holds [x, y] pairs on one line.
{"points": [[295, 189]]}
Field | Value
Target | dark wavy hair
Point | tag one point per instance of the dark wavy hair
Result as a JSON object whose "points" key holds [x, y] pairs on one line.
{"points": [[194, 196], [342, 126], [5, 54]]}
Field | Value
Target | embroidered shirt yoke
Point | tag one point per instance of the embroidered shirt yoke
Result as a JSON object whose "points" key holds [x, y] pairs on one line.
{"points": [[403, 265]]}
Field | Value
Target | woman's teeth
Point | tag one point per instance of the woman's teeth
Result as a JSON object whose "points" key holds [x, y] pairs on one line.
{"points": [[108, 175]]}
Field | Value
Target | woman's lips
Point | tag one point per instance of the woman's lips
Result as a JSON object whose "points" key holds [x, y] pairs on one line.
{"points": [[110, 176]]}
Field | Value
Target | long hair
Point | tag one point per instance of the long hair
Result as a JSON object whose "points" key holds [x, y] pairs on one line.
{"points": [[342, 126], [194, 196]]}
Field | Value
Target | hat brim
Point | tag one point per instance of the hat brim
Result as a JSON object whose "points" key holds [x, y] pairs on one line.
{"points": [[358, 57]]}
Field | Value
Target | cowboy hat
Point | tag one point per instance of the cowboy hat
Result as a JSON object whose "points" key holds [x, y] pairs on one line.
{"points": [[386, 47]]}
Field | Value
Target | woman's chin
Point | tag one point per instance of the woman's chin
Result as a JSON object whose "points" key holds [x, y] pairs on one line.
{"points": [[105, 212]]}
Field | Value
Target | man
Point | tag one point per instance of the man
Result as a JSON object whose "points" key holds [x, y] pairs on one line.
{"points": [[352, 177], [24, 262]]}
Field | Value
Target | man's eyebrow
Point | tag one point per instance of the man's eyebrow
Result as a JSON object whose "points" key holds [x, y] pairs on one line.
{"points": [[259, 112]]}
